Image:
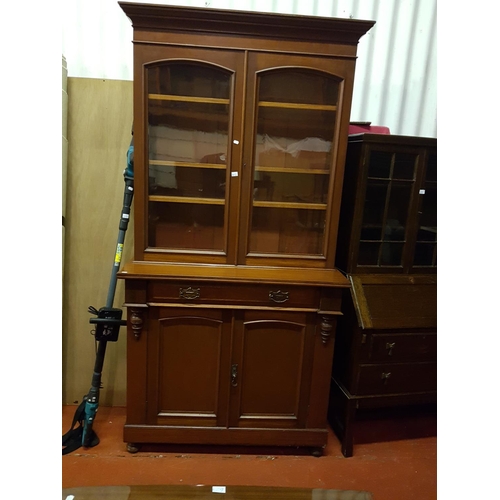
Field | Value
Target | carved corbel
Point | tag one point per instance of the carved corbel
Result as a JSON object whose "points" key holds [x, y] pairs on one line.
{"points": [[136, 321]]}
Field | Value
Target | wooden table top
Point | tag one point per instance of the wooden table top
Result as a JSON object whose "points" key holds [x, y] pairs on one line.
{"points": [[209, 493]]}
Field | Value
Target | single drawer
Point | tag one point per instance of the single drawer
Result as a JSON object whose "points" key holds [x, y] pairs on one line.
{"points": [[396, 378], [233, 294], [398, 347]]}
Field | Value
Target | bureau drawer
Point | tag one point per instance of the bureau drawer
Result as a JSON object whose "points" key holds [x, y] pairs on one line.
{"points": [[398, 347], [234, 294], [396, 378]]}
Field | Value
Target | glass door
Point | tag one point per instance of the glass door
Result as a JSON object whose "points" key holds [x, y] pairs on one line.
{"points": [[296, 109], [189, 123], [389, 193], [425, 254]]}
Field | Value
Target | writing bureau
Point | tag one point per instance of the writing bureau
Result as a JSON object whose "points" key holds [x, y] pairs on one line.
{"points": [[385, 354]]}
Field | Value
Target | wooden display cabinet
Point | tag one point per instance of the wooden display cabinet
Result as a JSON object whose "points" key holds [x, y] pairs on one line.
{"points": [[385, 353], [240, 131]]}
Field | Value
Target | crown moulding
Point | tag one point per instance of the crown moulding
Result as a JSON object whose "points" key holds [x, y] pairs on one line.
{"points": [[232, 22]]}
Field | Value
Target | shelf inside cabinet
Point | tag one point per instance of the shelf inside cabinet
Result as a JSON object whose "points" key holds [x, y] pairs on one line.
{"points": [[286, 204], [288, 170], [220, 166], [294, 105], [181, 98], [187, 199]]}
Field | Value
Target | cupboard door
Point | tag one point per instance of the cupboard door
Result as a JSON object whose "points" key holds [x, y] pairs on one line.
{"points": [[187, 376], [193, 100], [294, 116], [271, 369]]}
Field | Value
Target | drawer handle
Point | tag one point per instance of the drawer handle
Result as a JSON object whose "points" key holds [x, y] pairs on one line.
{"points": [[278, 296], [189, 293], [390, 346], [385, 377]]}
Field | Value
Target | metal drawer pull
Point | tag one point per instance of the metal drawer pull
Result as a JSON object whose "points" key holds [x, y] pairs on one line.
{"points": [[234, 375], [389, 346], [189, 293], [278, 296], [385, 377]]}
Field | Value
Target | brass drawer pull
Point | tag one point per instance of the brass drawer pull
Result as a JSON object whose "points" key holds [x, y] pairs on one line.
{"points": [[189, 293], [278, 296], [385, 377], [390, 346]]}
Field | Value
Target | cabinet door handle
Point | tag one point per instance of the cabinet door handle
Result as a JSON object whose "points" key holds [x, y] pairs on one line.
{"points": [[234, 375], [385, 377], [390, 346]]}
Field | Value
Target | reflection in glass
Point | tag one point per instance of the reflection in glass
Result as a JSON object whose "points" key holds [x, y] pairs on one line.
{"points": [[186, 181], [374, 208], [397, 212], [186, 226], [186, 131], [287, 231], [278, 186], [391, 254]]}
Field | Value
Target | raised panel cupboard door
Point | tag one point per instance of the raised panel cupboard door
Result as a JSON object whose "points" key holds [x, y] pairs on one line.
{"points": [[187, 374], [271, 369]]}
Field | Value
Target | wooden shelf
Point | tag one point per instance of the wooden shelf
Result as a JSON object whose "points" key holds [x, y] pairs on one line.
{"points": [[294, 105], [383, 241], [187, 199], [220, 166], [181, 98], [390, 179], [287, 170], [286, 204]]}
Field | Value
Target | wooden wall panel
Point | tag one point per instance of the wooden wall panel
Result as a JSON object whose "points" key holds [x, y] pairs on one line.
{"points": [[99, 133]]}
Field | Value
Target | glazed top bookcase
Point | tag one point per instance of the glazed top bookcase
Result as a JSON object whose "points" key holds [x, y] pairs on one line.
{"points": [[240, 132]]}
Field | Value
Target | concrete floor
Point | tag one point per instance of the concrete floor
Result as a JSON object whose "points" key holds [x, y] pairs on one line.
{"points": [[393, 459]]}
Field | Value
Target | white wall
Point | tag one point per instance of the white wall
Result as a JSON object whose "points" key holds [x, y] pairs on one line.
{"points": [[396, 72]]}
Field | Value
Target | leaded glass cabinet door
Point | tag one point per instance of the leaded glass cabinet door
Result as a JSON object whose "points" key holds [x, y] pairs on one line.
{"points": [[398, 229], [296, 111], [425, 253], [190, 132], [389, 194]]}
